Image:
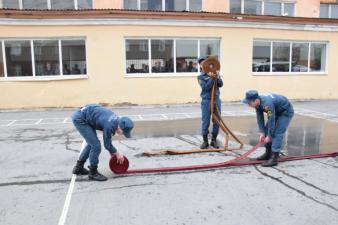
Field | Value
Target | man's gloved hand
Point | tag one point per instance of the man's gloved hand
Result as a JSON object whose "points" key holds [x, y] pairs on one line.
{"points": [[213, 76], [268, 139], [261, 138], [119, 156]]}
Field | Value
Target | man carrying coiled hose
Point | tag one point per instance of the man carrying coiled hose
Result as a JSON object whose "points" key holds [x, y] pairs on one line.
{"points": [[206, 81]]}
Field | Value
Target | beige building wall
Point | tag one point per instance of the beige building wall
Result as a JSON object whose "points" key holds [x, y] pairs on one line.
{"points": [[216, 5], [328, 1], [107, 4], [106, 69], [308, 8]]}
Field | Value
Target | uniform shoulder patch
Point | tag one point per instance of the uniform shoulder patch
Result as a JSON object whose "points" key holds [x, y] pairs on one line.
{"points": [[268, 110]]}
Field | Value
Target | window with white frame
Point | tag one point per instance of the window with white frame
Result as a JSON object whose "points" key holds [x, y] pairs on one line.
{"points": [[10, 4], [300, 55], [18, 58], [263, 7], [57, 4], [253, 7], [289, 56], [324, 11], [236, 6], [288, 9], [167, 55], [42, 57], [47, 4], [164, 5], [2, 69], [151, 4], [329, 11], [46, 57], [162, 56], [209, 48], [34, 4], [137, 56], [84, 4], [272, 8], [73, 57], [280, 57], [175, 5], [317, 59], [194, 5], [131, 4], [186, 56]]}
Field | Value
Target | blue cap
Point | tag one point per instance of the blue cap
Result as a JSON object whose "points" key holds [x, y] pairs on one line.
{"points": [[201, 59], [126, 124], [251, 95]]}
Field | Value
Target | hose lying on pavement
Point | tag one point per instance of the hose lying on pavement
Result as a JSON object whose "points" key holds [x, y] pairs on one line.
{"points": [[230, 163]]}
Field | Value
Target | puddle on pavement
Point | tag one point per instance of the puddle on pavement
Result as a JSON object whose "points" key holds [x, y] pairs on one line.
{"points": [[305, 135]]}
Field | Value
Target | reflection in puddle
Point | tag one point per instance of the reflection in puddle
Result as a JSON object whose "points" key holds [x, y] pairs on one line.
{"points": [[305, 135], [304, 140]]}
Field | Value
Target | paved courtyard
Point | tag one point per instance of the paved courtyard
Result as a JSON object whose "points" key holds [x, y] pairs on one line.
{"points": [[40, 147]]}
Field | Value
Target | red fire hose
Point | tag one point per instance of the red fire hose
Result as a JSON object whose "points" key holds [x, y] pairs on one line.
{"points": [[230, 163]]}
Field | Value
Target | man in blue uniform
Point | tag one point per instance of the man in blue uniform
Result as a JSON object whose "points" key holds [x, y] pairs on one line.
{"points": [[279, 115], [206, 82], [87, 120]]}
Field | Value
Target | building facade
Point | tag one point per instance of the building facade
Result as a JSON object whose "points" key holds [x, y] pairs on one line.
{"points": [[69, 53]]}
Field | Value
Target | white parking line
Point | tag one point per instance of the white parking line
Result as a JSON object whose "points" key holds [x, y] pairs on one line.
{"points": [[164, 116], [238, 133], [229, 113], [38, 122], [65, 209], [25, 122], [187, 115], [167, 116], [9, 124]]}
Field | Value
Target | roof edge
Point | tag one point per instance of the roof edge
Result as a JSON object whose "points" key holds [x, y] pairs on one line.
{"points": [[168, 15]]}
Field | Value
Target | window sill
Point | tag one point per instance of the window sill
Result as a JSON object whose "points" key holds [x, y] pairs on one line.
{"points": [[163, 75], [44, 78], [291, 74]]}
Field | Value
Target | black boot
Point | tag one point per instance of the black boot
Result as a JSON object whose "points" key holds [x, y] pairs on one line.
{"points": [[95, 175], [79, 169], [214, 141], [205, 143], [266, 155], [273, 161]]}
